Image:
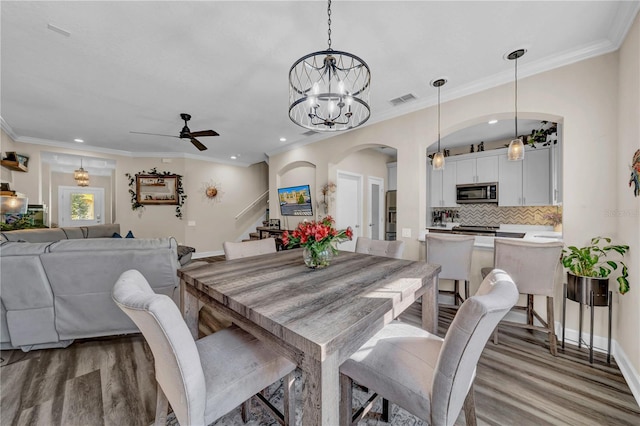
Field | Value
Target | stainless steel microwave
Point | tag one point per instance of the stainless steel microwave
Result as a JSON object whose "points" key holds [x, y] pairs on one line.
{"points": [[477, 193]]}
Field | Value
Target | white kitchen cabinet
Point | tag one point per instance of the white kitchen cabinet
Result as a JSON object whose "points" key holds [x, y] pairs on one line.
{"points": [[443, 186], [487, 169], [526, 182], [482, 169]]}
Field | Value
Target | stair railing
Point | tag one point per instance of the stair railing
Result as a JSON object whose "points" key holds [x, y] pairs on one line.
{"points": [[250, 206]]}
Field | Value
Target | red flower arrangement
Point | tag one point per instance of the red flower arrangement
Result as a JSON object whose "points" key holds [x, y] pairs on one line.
{"points": [[317, 237]]}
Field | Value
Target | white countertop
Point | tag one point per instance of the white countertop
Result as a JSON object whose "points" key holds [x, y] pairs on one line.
{"points": [[533, 233]]}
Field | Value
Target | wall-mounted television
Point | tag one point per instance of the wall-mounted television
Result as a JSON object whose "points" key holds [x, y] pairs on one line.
{"points": [[295, 201]]}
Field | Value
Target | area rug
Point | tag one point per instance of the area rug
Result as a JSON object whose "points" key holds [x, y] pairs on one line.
{"points": [[260, 417]]}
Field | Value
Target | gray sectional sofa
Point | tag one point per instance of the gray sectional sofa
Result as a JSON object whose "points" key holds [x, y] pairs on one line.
{"points": [[43, 235], [53, 293]]}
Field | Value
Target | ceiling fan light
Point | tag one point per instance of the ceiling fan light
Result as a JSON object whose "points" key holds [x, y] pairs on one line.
{"points": [[516, 150], [438, 161]]}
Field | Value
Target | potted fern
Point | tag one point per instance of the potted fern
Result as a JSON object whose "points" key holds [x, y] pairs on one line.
{"points": [[589, 270]]}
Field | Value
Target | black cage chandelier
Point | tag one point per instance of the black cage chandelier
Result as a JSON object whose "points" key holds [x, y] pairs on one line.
{"points": [[329, 90]]}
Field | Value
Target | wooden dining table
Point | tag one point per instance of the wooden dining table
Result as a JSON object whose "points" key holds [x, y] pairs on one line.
{"points": [[315, 317]]}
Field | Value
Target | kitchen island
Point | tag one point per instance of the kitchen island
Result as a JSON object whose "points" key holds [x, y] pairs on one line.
{"points": [[486, 234]]}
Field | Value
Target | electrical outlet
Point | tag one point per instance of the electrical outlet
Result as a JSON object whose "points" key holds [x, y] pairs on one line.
{"points": [[406, 232], [191, 223]]}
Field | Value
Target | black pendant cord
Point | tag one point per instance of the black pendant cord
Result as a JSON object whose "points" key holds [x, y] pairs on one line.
{"points": [[438, 118], [516, 98]]}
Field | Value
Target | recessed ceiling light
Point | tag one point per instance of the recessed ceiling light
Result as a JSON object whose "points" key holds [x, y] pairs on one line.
{"points": [[79, 140], [234, 157], [493, 121], [283, 139]]}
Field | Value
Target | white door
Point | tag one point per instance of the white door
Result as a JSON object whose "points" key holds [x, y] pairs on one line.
{"points": [[349, 206], [78, 206], [376, 208]]}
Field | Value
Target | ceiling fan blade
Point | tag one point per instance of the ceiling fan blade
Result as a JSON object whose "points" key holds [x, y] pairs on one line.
{"points": [[156, 134], [198, 144], [204, 133]]}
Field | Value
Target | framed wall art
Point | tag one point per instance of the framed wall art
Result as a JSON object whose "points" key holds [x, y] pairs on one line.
{"points": [[154, 189]]}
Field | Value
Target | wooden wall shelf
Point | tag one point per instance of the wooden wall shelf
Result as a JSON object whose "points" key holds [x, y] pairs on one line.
{"points": [[14, 165]]}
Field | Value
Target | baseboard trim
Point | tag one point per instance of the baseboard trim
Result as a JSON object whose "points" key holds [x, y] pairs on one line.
{"points": [[627, 369], [600, 343], [207, 254]]}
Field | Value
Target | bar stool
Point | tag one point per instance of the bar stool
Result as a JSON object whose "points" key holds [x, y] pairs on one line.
{"points": [[533, 268], [453, 253]]}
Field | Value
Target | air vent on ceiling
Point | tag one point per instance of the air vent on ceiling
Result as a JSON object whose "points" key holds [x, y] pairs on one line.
{"points": [[402, 99], [310, 133]]}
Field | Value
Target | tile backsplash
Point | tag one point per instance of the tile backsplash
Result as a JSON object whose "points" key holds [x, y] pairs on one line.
{"points": [[491, 214]]}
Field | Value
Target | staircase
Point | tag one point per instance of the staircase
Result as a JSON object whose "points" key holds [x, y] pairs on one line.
{"points": [[256, 235], [272, 233], [253, 236]]}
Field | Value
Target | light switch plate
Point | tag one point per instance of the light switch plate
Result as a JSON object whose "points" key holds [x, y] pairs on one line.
{"points": [[406, 232], [191, 223]]}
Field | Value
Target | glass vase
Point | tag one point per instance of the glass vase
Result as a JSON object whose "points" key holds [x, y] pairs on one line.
{"points": [[317, 259]]}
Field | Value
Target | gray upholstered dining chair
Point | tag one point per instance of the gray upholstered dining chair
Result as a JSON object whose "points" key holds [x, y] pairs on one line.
{"points": [[382, 248], [206, 378], [453, 253], [426, 375], [250, 248], [533, 268]]}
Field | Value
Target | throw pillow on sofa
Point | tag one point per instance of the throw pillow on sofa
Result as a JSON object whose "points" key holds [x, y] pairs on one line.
{"points": [[129, 235]]}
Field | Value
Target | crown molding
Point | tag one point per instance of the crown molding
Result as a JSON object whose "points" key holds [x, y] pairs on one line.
{"points": [[122, 153], [7, 129], [72, 146], [625, 15]]}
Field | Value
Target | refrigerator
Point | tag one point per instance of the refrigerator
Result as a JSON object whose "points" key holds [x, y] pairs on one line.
{"points": [[390, 217]]}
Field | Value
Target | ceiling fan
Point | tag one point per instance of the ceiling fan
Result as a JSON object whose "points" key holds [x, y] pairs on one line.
{"points": [[185, 133]]}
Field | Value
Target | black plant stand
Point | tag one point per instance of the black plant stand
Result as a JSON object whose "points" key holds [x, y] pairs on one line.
{"points": [[593, 301]]}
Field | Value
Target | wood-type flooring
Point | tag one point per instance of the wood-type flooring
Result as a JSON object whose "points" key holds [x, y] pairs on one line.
{"points": [[110, 381]]}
